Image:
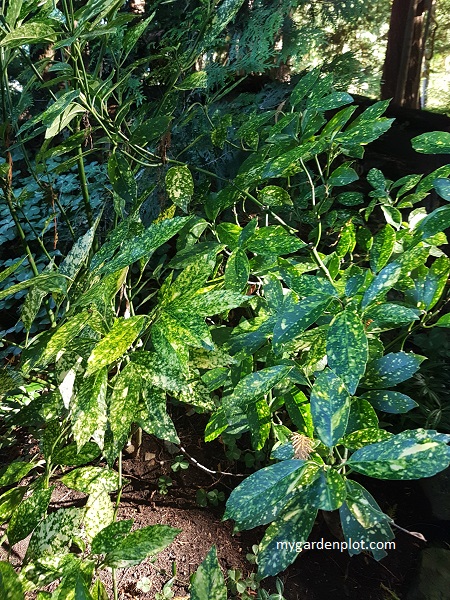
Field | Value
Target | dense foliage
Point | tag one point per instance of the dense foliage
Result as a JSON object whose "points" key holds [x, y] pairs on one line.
{"points": [[234, 257]]}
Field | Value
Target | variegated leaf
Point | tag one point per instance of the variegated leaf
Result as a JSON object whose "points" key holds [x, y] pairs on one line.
{"points": [[28, 514], [55, 533], [88, 479], [330, 407], [347, 348], [208, 582], [139, 544], [88, 411], [123, 333], [106, 540]]}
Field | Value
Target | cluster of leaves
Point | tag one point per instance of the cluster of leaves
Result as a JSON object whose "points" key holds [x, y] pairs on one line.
{"points": [[279, 299]]}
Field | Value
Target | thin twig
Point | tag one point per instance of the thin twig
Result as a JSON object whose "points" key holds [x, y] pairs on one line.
{"points": [[203, 468]]}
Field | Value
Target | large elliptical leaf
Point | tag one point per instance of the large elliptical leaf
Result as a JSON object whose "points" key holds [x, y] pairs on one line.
{"points": [[293, 525], [347, 348], [139, 544], [252, 387], [88, 409], [407, 455], [330, 407], [383, 282], [391, 369], [259, 498], [294, 318]]}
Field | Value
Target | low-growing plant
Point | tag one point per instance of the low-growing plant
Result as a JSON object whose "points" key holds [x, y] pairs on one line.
{"points": [[281, 294]]}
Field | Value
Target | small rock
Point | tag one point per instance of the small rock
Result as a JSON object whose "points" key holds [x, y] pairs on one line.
{"points": [[149, 456]]}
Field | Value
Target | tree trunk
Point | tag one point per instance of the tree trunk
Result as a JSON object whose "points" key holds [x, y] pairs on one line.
{"points": [[405, 50]]}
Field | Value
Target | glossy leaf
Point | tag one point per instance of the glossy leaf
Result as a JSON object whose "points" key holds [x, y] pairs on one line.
{"points": [[154, 418], [383, 282], [208, 582], [435, 281], [442, 187], [15, 471], [180, 185], [391, 369], [54, 534], [330, 407], [237, 270], [72, 457], [294, 524], [9, 502], [28, 33], [260, 498], [139, 544], [123, 407], [383, 245], [389, 401], [259, 420], [296, 317], [362, 415], [407, 455], [343, 175], [253, 386], [363, 437], [385, 316], [143, 245], [106, 540], [88, 479], [115, 343], [273, 239], [273, 195], [347, 349], [28, 514], [327, 491], [434, 142], [435, 222]]}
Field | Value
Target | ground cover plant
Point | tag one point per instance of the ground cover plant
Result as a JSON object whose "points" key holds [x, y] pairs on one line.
{"points": [[234, 259]]}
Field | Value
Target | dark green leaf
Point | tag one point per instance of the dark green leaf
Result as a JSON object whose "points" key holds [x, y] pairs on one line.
{"points": [[293, 525], [382, 283], [260, 497], [139, 544], [383, 244], [389, 401], [15, 471], [10, 584], [106, 540], [347, 349], [343, 175], [383, 317], [327, 491], [273, 195], [294, 318], [54, 534], [407, 455], [435, 142], [363, 437], [28, 514], [442, 187], [330, 407], [391, 369]]}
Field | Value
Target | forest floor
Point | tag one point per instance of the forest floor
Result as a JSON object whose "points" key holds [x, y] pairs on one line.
{"points": [[315, 575]]}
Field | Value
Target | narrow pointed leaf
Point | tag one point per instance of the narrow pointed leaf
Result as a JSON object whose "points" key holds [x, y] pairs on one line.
{"points": [[383, 245], [139, 544], [89, 411], [389, 401], [296, 317], [28, 514], [382, 283], [391, 369]]}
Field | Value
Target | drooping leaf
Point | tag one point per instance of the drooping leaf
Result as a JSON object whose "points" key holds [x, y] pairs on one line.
{"points": [[88, 409], [387, 315], [259, 419], [71, 456], [347, 349], [15, 471], [9, 502], [383, 244], [442, 187], [327, 491], [293, 525], [434, 223], [273, 195], [139, 544], [408, 455], [154, 418], [28, 33], [237, 270], [330, 407], [208, 582]]}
